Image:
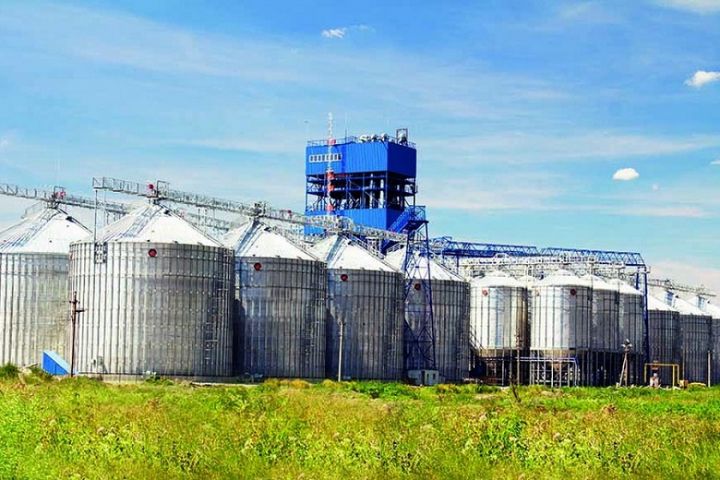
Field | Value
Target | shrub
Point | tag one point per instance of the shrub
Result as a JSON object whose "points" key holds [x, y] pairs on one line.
{"points": [[9, 372]]}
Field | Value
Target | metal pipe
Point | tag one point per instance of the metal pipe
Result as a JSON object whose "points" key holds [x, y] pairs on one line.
{"points": [[340, 349], [73, 318]]}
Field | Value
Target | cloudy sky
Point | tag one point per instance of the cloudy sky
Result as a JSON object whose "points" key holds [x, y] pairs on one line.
{"points": [[577, 124]]}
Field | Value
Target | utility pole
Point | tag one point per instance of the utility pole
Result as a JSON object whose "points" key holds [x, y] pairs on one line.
{"points": [[73, 319]]}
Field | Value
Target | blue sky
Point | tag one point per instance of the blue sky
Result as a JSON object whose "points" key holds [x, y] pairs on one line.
{"points": [[522, 111]]}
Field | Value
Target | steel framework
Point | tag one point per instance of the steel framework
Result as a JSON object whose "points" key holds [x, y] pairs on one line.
{"points": [[161, 192], [487, 253], [420, 349]]}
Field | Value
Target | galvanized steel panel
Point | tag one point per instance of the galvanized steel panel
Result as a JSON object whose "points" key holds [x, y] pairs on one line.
{"points": [[369, 303], [451, 318], [631, 328], [715, 374], [281, 308], [664, 338], [169, 314], [499, 318], [33, 306], [605, 328], [696, 343], [561, 318]]}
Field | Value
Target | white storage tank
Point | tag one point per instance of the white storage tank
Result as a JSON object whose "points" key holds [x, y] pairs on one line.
{"points": [[560, 330], [499, 326], [158, 295], [280, 292], [365, 298], [451, 313], [34, 285]]}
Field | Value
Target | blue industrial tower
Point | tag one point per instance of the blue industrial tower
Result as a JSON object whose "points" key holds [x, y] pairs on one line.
{"points": [[370, 178]]}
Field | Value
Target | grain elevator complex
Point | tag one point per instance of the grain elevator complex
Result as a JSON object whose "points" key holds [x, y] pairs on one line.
{"points": [[184, 285]]}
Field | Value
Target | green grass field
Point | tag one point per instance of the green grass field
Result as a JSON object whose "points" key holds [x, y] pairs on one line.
{"points": [[82, 428]]}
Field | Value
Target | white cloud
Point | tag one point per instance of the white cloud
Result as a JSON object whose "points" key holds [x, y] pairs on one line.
{"points": [[715, 162], [696, 6], [688, 274], [701, 77], [660, 211], [334, 32], [341, 32], [626, 174]]}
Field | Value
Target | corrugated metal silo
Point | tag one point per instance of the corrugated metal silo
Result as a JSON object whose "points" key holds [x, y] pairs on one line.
{"points": [[280, 290], [451, 313], [499, 327], [664, 336], [34, 285], [560, 330], [631, 311], [365, 295], [605, 332], [714, 311], [696, 338], [158, 295]]}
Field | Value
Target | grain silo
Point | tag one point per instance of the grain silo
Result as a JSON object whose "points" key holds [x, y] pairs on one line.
{"points": [[714, 311], [664, 338], [499, 327], [696, 336], [605, 342], [158, 295], [280, 294], [365, 318], [631, 311], [34, 285], [560, 329], [451, 313]]}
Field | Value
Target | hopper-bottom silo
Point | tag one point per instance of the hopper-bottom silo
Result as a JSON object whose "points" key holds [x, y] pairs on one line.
{"points": [[157, 295], [499, 329], [560, 329], [664, 339], [365, 321]]}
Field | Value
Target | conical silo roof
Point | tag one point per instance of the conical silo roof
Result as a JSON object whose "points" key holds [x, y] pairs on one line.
{"points": [[561, 278], [712, 309], [255, 239], [437, 271], [687, 308], [497, 278], [624, 287], [340, 252], [154, 224], [527, 280], [50, 230], [599, 283], [656, 304]]}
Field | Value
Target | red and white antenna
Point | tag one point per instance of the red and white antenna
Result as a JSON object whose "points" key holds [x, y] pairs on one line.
{"points": [[329, 175]]}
